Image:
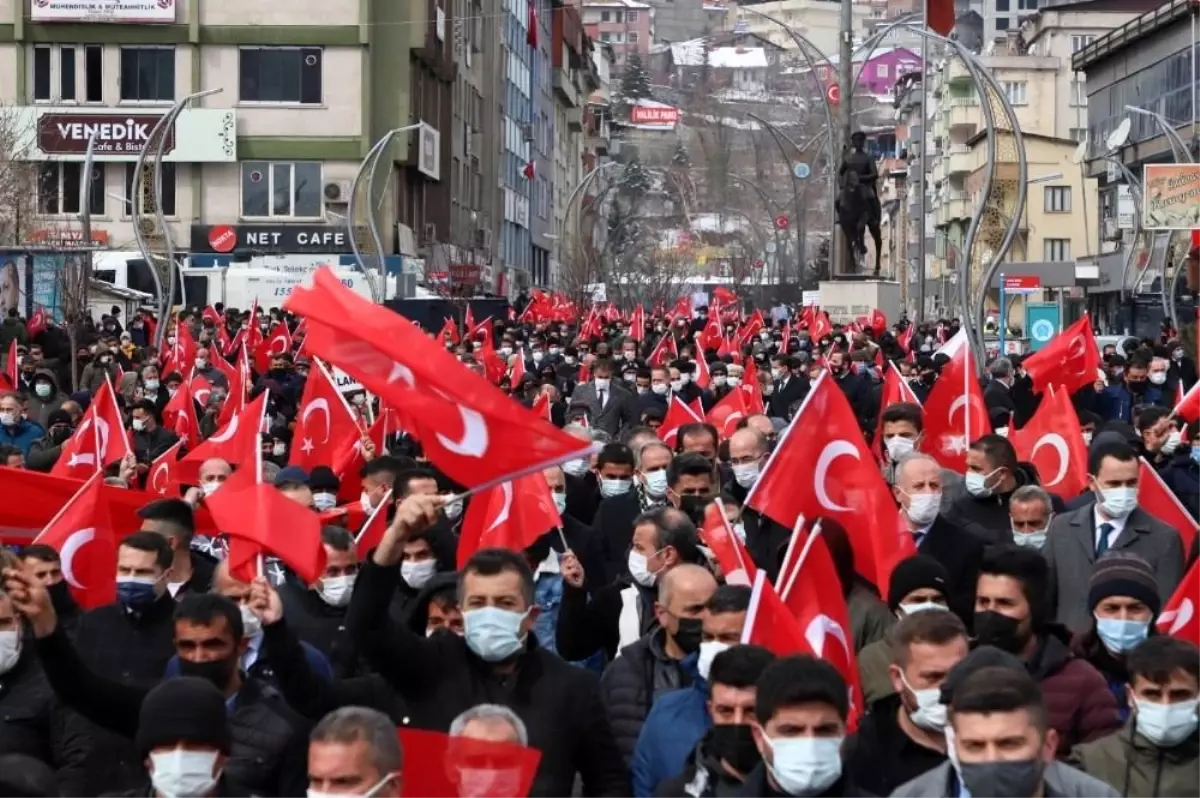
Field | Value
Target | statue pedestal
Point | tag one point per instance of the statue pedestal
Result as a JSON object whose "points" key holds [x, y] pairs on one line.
{"points": [[848, 298]]}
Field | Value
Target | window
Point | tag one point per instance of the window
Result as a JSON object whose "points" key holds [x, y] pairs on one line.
{"points": [[1015, 91], [146, 196], [631, 16], [881, 70], [1079, 42], [93, 67], [631, 37], [1001, 23], [41, 74], [1002, 6], [1027, 5], [1078, 94], [606, 36], [66, 74], [1058, 199], [147, 74], [280, 75], [59, 184], [282, 190], [1078, 133], [606, 16], [1057, 249]]}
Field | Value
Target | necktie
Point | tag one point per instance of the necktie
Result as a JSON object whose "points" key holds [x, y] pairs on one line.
{"points": [[601, 398], [1102, 545], [918, 537]]}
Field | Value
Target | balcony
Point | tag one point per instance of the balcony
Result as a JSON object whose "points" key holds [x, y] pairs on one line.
{"points": [[963, 113], [564, 87], [961, 161]]}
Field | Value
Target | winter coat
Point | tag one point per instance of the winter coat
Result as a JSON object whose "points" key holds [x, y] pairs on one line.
{"points": [[1087, 647], [440, 677], [322, 626], [39, 409], [1116, 402], [880, 755], [960, 553], [703, 776], [149, 445], [43, 454], [757, 785], [870, 618], [873, 662], [585, 627], [12, 329], [1080, 705], [1061, 781], [22, 435], [1182, 475], [34, 723], [635, 680], [269, 740], [94, 375], [987, 518], [1138, 768], [676, 724]]}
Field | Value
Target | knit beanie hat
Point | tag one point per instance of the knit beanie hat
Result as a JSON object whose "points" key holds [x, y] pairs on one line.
{"points": [[183, 709], [915, 573], [58, 417], [1120, 573]]}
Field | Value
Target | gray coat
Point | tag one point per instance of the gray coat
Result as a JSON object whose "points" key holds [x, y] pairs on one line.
{"points": [[617, 412], [1071, 552], [1062, 781]]}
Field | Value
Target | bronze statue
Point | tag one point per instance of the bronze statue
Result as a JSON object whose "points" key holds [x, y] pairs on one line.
{"points": [[858, 208]]}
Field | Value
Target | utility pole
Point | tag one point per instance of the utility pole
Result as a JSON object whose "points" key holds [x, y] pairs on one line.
{"points": [[922, 164], [839, 250]]}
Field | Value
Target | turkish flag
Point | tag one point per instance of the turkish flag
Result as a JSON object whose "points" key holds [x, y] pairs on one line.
{"points": [[955, 412], [249, 509], [12, 366], [181, 356], [1179, 618], [98, 440], [822, 467], [1068, 362], [179, 413], [372, 530], [1188, 406], [350, 460], [726, 413], [664, 351], [38, 323], [83, 535], [710, 337], [813, 592], [473, 432], [905, 338], [637, 324], [161, 475], [465, 766], [517, 372], [702, 377], [541, 406], [325, 425], [449, 330], [239, 387], [821, 326], [770, 623], [678, 414], [210, 313], [1156, 498], [235, 443], [277, 342], [736, 565], [1053, 441], [511, 515], [895, 390]]}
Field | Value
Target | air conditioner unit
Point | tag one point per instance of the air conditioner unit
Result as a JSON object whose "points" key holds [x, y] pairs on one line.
{"points": [[483, 239], [148, 226], [338, 191], [430, 233]]}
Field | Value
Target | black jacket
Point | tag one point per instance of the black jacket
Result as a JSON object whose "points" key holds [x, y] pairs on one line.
{"points": [[987, 518], [998, 396], [784, 396], [613, 530], [149, 446], [321, 626], [757, 786], [880, 755], [583, 496], [859, 392], [34, 723], [440, 677], [960, 554], [203, 569], [270, 742], [702, 777], [585, 627], [633, 680]]}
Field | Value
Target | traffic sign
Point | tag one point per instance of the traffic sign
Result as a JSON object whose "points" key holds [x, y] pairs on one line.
{"points": [[1041, 321], [781, 222], [770, 247], [801, 170], [833, 93], [759, 263], [1022, 283]]}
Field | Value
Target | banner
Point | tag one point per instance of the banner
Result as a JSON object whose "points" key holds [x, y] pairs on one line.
{"points": [[1171, 196]]}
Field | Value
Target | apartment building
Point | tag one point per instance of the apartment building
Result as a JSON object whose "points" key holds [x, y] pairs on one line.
{"points": [[625, 25], [817, 20], [574, 79]]}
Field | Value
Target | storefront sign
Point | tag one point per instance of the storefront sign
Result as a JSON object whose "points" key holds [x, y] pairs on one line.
{"points": [[267, 239], [654, 115], [50, 237], [123, 11], [1171, 193], [199, 135]]}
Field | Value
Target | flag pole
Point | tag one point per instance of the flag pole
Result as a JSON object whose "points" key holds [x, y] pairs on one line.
{"points": [[791, 547], [383, 503], [760, 581], [588, 451], [968, 375], [808, 544]]}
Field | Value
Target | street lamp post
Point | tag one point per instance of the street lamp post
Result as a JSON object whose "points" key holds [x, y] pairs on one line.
{"points": [[1178, 147]]}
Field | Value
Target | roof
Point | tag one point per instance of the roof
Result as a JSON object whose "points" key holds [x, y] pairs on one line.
{"points": [[981, 135], [1130, 32], [614, 4], [691, 54]]}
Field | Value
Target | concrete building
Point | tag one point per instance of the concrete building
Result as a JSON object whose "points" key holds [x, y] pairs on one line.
{"points": [[680, 20], [626, 25], [817, 20]]}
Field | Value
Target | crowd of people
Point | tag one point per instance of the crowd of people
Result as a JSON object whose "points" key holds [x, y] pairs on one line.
{"points": [[1025, 649]]}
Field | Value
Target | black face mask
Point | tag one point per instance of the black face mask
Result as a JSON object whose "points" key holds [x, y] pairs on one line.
{"points": [[734, 743], [61, 598], [59, 435], [994, 629], [688, 635], [693, 506], [219, 671]]}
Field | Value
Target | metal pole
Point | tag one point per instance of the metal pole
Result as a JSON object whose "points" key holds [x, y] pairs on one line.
{"points": [[369, 163], [923, 164], [1003, 320], [1195, 85], [846, 73], [800, 212]]}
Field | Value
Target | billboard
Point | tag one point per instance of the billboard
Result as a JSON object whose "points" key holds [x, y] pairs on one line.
{"points": [[1171, 196], [654, 115], [122, 11], [199, 135]]}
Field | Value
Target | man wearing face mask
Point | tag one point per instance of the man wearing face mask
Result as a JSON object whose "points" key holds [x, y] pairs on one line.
{"points": [[993, 473], [15, 429], [610, 406], [325, 486], [901, 427], [204, 367], [788, 387], [354, 751], [150, 439], [31, 721], [614, 471], [1030, 510], [443, 675], [801, 707], [997, 394], [1011, 614], [190, 571], [44, 397], [44, 452], [1156, 752], [1116, 402], [1078, 538], [918, 492], [679, 720], [661, 661], [1161, 438], [318, 614], [1182, 472], [615, 515], [658, 395], [691, 484], [903, 734], [622, 612], [856, 387], [267, 738], [184, 735]]}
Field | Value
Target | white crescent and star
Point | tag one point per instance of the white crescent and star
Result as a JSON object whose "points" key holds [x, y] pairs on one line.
{"points": [[201, 396], [74, 542], [959, 403], [819, 630], [316, 404], [474, 440], [281, 339], [226, 434], [1177, 618], [161, 469], [502, 516], [831, 452], [1064, 457]]}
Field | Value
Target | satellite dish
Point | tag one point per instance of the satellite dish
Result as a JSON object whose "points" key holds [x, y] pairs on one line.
{"points": [[1080, 151], [1118, 137]]}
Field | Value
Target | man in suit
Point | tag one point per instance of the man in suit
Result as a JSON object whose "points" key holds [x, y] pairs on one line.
{"points": [[1078, 538], [918, 491], [609, 405], [789, 386], [998, 393]]}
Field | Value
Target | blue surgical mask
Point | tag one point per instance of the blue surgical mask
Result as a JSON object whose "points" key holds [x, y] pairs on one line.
{"points": [[1118, 502], [1195, 453], [1121, 636], [976, 484], [615, 487], [806, 765], [136, 592], [492, 633]]}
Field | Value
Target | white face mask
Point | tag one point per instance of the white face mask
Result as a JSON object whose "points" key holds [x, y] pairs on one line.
{"points": [[1166, 725], [735, 382], [337, 590], [180, 773], [805, 765], [311, 793], [923, 606], [365, 502], [615, 487], [8, 419], [746, 474], [139, 424], [560, 501], [417, 573], [640, 570], [576, 468], [1087, 438], [1158, 378], [10, 651], [278, 449], [324, 500], [209, 488], [720, 381], [660, 388], [151, 385], [708, 652], [201, 364], [1029, 540], [453, 509], [569, 360], [1118, 502], [1174, 438], [602, 383], [930, 713], [251, 623], [676, 386], [923, 508], [976, 484], [898, 445], [656, 483]]}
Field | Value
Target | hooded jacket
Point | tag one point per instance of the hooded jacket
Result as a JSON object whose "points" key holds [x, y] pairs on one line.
{"points": [[1137, 767], [39, 409], [703, 776], [1081, 706], [22, 435], [13, 328]]}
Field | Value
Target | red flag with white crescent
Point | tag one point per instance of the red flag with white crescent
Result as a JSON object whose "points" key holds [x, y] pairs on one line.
{"points": [[511, 515], [1179, 617], [324, 422], [955, 411], [161, 476], [82, 533], [1053, 441], [100, 438]]}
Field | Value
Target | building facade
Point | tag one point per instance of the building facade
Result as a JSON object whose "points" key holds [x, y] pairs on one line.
{"points": [[625, 25], [817, 20]]}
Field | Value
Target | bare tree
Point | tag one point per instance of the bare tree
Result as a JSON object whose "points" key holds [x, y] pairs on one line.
{"points": [[18, 182]]}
